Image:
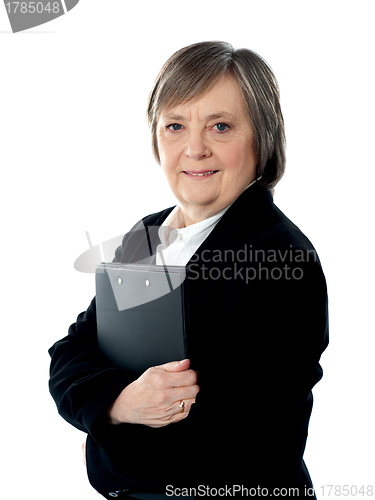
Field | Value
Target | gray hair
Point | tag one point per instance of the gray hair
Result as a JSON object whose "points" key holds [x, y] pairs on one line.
{"points": [[194, 70]]}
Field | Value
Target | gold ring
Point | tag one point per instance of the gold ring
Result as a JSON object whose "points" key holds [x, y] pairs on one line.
{"points": [[182, 406]]}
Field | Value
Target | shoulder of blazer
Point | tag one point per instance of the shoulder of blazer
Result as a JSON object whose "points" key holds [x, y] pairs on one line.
{"points": [[254, 225], [254, 219], [282, 232]]}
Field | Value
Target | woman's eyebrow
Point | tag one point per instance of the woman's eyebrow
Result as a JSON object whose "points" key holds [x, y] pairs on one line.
{"points": [[169, 117], [213, 116], [220, 115]]}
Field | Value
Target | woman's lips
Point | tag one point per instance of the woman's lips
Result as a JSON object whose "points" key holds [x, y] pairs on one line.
{"points": [[202, 173]]}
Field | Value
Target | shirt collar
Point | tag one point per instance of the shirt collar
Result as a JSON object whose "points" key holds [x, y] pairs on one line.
{"points": [[192, 234]]}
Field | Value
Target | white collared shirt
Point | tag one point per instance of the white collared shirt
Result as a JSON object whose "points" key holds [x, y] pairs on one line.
{"points": [[179, 245]]}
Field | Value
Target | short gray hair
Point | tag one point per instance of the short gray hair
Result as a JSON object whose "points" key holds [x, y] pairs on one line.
{"points": [[192, 71]]}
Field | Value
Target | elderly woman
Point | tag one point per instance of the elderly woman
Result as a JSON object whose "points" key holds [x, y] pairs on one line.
{"points": [[233, 418]]}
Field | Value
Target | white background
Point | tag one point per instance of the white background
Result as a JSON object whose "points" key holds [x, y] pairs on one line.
{"points": [[75, 156]]}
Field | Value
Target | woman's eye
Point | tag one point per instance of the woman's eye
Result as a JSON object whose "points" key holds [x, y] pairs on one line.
{"points": [[174, 126], [221, 127]]}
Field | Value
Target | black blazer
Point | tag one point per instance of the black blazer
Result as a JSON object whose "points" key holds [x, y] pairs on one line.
{"points": [[258, 326]]}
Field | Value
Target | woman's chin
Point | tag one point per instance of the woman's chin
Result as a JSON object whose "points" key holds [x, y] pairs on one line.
{"points": [[195, 201]]}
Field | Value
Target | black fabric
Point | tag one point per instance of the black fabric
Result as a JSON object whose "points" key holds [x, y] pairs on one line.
{"points": [[258, 326]]}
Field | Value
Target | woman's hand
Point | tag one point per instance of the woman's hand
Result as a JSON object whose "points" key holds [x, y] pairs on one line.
{"points": [[154, 398]]}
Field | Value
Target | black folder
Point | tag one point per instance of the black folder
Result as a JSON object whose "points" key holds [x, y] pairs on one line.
{"points": [[142, 314]]}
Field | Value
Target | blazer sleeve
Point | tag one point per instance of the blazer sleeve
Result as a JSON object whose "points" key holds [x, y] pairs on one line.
{"points": [[82, 382]]}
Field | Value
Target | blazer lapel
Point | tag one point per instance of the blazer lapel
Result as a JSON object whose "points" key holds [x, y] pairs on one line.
{"points": [[143, 239]]}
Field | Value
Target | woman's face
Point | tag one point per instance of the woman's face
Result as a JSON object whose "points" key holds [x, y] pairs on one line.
{"points": [[206, 151]]}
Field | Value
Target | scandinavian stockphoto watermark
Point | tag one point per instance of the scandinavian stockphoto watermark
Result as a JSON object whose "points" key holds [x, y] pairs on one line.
{"points": [[248, 263], [28, 14], [245, 263]]}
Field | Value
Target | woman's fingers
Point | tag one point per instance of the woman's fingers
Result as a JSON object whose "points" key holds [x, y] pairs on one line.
{"points": [[183, 393], [171, 375], [176, 366], [173, 414]]}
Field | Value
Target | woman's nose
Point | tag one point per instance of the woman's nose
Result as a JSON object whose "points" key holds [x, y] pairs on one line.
{"points": [[197, 147]]}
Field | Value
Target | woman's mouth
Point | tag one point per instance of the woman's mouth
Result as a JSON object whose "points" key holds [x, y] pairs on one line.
{"points": [[201, 173]]}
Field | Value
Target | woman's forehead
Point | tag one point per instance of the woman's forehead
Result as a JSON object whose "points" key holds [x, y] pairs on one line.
{"points": [[222, 100]]}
